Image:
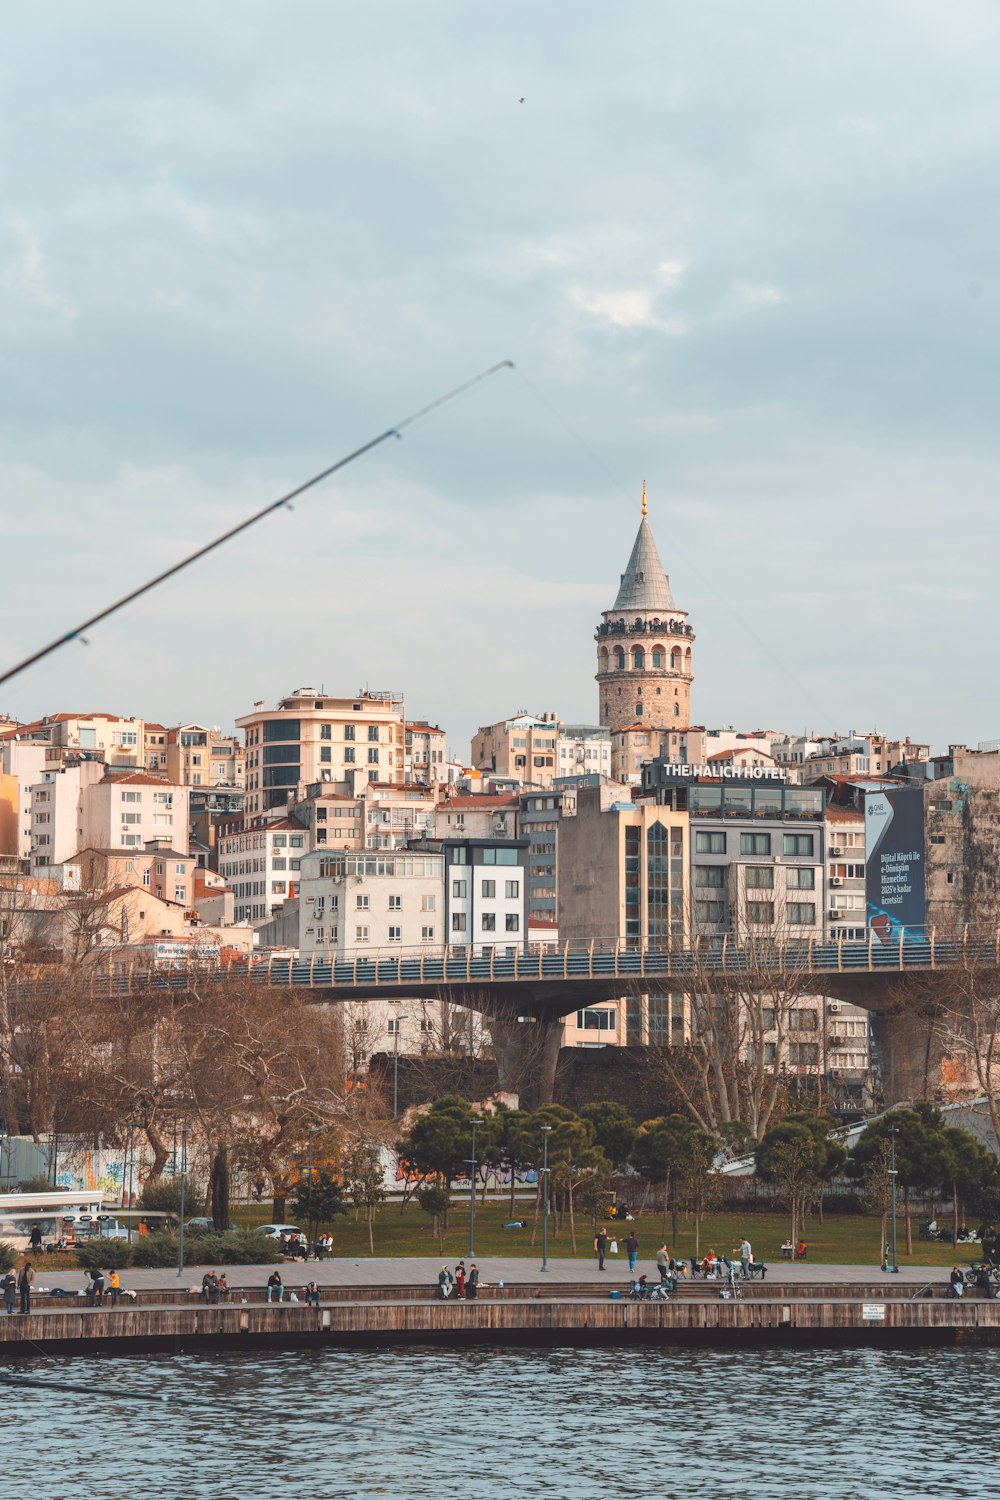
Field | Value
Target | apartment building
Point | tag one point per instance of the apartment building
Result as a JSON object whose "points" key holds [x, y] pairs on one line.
{"points": [[426, 753], [311, 737], [540, 817], [395, 813], [352, 904], [481, 815], [864, 755], [846, 911], [583, 750], [623, 878], [523, 748], [261, 864], [119, 741], [332, 820], [56, 811], [165, 872], [199, 756]]}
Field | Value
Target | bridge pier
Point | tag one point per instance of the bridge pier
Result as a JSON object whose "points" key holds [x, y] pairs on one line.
{"points": [[526, 1051], [916, 1062]]}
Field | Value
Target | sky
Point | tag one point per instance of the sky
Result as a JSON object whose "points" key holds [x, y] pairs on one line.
{"points": [[746, 253]]}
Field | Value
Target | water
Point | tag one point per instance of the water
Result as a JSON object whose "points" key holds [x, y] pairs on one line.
{"points": [[459, 1425]]}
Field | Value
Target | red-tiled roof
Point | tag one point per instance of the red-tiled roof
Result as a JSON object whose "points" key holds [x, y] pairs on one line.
{"points": [[836, 814], [484, 802]]}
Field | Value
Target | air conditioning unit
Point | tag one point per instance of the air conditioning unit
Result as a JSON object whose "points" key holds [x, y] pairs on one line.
{"points": [[834, 1007], [836, 849], [836, 915], [836, 879]]}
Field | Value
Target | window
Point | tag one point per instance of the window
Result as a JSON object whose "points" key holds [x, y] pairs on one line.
{"points": [[180, 893], [373, 731], [361, 934], [459, 889], [348, 731], [277, 887], [427, 934], [801, 913], [325, 753], [326, 731], [348, 755], [761, 912], [760, 878], [279, 841], [937, 838], [513, 922], [802, 1020], [710, 843], [805, 1054], [395, 903], [145, 876], [800, 878], [709, 876], [458, 923], [512, 889], [755, 843], [708, 911], [395, 934], [489, 921], [279, 864], [126, 797], [489, 889], [361, 903], [595, 1020], [373, 757], [500, 856], [798, 843]]}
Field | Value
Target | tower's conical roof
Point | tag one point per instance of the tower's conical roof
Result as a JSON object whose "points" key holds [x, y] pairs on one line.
{"points": [[644, 584]]}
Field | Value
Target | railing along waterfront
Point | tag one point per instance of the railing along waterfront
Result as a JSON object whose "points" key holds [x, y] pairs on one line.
{"points": [[627, 959]]}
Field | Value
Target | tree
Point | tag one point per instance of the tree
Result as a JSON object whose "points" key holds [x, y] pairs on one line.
{"points": [[588, 1171], [661, 1152], [220, 1189], [366, 1180], [614, 1130], [437, 1144], [318, 1199], [800, 1155], [434, 1199]]}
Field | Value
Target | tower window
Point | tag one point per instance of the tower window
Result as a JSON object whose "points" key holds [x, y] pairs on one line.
{"points": [[638, 710], [677, 710], [657, 658]]}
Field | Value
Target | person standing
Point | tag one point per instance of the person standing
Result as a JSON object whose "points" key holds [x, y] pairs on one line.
{"points": [[472, 1283], [662, 1263], [460, 1279], [632, 1249], [35, 1242], [114, 1287], [9, 1291], [601, 1246], [746, 1256], [24, 1281]]}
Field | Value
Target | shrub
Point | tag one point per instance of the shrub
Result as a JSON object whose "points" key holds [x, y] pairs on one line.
{"points": [[242, 1247], [8, 1255], [111, 1255], [39, 1184], [164, 1195]]}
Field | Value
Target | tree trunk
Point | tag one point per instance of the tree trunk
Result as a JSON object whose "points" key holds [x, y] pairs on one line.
{"points": [[954, 1216], [909, 1221], [572, 1222], [666, 1205], [371, 1232], [697, 1227], [278, 1207], [513, 1181], [673, 1210], [158, 1146], [885, 1247]]}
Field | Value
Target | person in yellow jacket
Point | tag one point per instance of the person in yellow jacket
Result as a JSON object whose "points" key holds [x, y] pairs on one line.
{"points": [[114, 1287]]}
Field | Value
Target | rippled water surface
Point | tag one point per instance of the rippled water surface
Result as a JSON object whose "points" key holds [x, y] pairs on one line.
{"points": [[567, 1424]]}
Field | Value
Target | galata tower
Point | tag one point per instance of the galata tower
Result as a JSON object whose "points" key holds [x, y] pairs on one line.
{"points": [[644, 641]]}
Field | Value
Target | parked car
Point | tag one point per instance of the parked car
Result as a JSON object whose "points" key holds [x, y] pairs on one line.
{"points": [[199, 1224], [275, 1231]]}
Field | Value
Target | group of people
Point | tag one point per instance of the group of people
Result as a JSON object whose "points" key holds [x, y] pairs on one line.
{"points": [[709, 1266], [463, 1283], [214, 1286], [274, 1291], [18, 1285]]}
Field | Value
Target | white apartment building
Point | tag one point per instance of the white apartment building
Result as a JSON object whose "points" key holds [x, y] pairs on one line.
{"points": [[426, 753], [353, 904], [131, 810], [57, 824], [583, 750], [846, 911], [395, 813], [479, 816], [312, 737], [261, 864]]}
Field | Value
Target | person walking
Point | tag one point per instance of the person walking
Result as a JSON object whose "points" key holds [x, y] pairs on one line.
{"points": [[9, 1291], [24, 1281], [601, 1246], [114, 1287], [662, 1263], [274, 1287], [472, 1283], [632, 1250], [35, 1242]]}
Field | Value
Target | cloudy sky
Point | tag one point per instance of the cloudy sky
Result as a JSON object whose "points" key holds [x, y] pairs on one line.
{"points": [[745, 252]]}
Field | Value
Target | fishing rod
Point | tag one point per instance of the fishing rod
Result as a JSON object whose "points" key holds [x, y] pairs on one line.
{"points": [[282, 503]]}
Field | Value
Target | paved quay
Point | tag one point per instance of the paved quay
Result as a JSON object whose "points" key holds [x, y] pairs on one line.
{"points": [[416, 1271]]}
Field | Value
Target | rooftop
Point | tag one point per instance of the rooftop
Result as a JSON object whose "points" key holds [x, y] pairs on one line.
{"points": [[644, 583]]}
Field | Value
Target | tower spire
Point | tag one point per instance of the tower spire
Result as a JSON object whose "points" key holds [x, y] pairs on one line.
{"points": [[644, 498]]}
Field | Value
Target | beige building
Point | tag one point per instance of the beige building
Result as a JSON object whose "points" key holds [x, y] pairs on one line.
{"points": [[623, 878], [426, 753], [313, 738], [479, 816], [521, 748], [166, 873], [198, 756], [644, 646], [121, 742]]}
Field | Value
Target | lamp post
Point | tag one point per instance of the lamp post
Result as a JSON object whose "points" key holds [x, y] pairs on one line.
{"points": [[395, 1064], [893, 1174], [309, 1189], [472, 1191], [180, 1237], [545, 1196]]}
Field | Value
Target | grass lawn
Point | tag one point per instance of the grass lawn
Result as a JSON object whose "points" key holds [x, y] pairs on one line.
{"points": [[846, 1239]]}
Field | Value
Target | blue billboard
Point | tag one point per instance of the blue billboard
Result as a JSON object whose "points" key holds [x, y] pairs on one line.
{"points": [[894, 862]]}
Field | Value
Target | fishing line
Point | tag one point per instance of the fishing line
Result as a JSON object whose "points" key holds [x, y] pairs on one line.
{"points": [[267, 510]]}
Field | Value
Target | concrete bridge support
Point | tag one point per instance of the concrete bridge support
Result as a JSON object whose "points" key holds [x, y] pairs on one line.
{"points": [[526, 1049]]}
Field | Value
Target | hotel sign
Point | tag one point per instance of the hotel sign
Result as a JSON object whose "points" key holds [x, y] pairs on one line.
{"points": [[671, 771]]}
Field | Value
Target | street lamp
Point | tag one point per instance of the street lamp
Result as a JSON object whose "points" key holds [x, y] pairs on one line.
{"points": [[395, 1064], [545, 1196], [180, 1246], [472, 1191], [893, 1174], [309, 1189]]}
